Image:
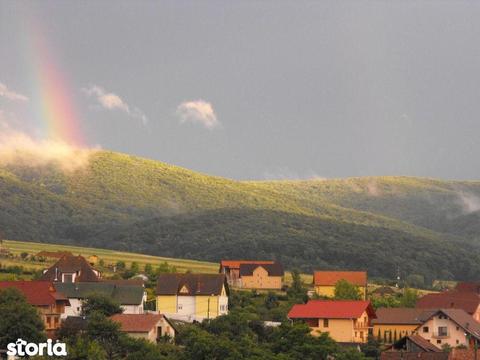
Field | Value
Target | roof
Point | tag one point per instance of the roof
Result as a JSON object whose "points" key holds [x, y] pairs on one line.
{"points": [[468, 287], [275, 269], [394, 355], [137, 323], [330, 278], [467, 301], [53, 254], [331, 309], [235, 264], [405, 316], [123, 294], [71, 264], [194, 284], [37, 293], [423, 343], [462, 319]]}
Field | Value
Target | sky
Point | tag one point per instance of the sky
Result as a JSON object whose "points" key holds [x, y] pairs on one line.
{"points": [[251, 89]]}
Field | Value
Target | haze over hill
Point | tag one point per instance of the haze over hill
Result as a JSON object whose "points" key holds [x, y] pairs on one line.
{"points": [[423, 226]]}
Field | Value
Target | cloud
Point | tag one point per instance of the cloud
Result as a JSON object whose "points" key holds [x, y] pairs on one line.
{"points": [[17, 148], [198, 111], [11, 95], [111, 101]]}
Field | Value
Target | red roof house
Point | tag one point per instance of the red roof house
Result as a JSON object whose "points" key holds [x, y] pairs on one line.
{"points": [[346, 320], [467, 301], [148, 326]]}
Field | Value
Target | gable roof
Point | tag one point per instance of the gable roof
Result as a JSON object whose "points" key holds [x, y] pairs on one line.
{"points": [[275, 269], [71, 264], [195, 284], [462, 319], [331, 309], [464, 286], [468, 301], [330, 278], [137, 323], [410, 316], [235, 264], [37, 293], [423, 344], [123, 294]]}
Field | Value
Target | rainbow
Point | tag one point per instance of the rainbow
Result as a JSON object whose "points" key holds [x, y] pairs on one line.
{"points": [[54, 107]]}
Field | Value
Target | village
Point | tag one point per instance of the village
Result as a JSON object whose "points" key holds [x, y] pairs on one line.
{"points": [[343, 304]]}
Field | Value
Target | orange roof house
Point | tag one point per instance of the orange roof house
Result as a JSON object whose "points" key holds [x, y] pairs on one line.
{"points": [[346, 321], [150, 327], [71, 269], [325, 281], [42, 295]]}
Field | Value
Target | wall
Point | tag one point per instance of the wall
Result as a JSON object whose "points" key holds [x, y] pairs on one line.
{"points": [[402, 330], [132, 309], [341, 330], [167, 304], [456, 335], [261, 280]]}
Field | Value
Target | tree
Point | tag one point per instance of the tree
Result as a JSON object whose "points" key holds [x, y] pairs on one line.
{"points": [[148, 269], [409, 298], [297, 291], [18, 319], [120, 265], [134, 268], [106, 333], [101, 304], [346, 291]]}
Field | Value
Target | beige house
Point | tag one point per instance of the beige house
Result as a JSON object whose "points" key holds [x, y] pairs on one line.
{"points": [[266, 276], [453, 327], [346, 321], [325, 281], [151, 327], [231, 269]]}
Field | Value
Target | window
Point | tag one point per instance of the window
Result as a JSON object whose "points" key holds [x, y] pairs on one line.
{"points": [[458, 341], [68, 278], [439, 341], [442, 331], [325, 323], [425, 329], [180, 307]]}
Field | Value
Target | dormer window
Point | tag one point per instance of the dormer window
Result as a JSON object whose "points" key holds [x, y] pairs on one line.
{"points": [[184, 290]]}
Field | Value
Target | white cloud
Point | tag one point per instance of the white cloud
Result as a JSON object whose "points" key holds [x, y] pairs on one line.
{"points": [[11, 95], [18, 148], [111, 101], [198, 111]]}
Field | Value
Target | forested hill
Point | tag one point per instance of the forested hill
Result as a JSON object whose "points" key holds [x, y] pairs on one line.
{"points": [[423, 226]]}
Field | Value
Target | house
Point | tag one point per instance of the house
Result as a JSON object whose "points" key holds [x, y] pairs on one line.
{"points": [[151, 327], [413, 347], [231, 269], [452, 299], [130, 295], [392, 324], [70, 269], [468, 287], [325, 281], [192, 296], [52, 255], [453, 327], [50, 303], [261, 276], [346, 321]]}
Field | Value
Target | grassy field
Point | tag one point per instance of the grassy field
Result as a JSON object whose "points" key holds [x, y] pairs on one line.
{"points": [[108, 256]]}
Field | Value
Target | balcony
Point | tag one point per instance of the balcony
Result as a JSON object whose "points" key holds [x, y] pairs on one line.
{"points": [[440, 335]]}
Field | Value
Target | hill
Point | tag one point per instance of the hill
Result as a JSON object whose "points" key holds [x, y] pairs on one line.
{"points": [[122, 202]]}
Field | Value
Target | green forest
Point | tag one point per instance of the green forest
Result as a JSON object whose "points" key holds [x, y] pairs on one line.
{"points": [[422, 226]]}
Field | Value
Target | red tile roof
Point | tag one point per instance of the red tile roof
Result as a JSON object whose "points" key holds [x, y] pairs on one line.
{"points": [[331, 309], [330, 278], [37, 293], [235, 264], [468, 301], [139, 323]]}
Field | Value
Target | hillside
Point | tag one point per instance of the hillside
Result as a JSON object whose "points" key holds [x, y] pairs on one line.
{"points": [[123, 202]]}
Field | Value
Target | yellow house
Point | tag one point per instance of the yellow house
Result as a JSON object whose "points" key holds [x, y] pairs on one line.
{"points": [[325, 281], [392, 324], [346, 321], [265, 276], [192, 296]]}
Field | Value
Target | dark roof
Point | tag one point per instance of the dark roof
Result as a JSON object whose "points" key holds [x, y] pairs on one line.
{"points": [[419, 341], [194, 284], [410, 316], [37, 293], [467, 301], [275, 269], [400, 355], [123, 294], [330, 278], [235, 264], [71, 264], [462, 319], [75, 322], [331, 309]]}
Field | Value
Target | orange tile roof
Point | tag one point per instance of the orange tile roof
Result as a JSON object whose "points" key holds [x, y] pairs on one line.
{"points": [[235, 264], [331, 309], [137, 323], [330, 278], [37, 293]]}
